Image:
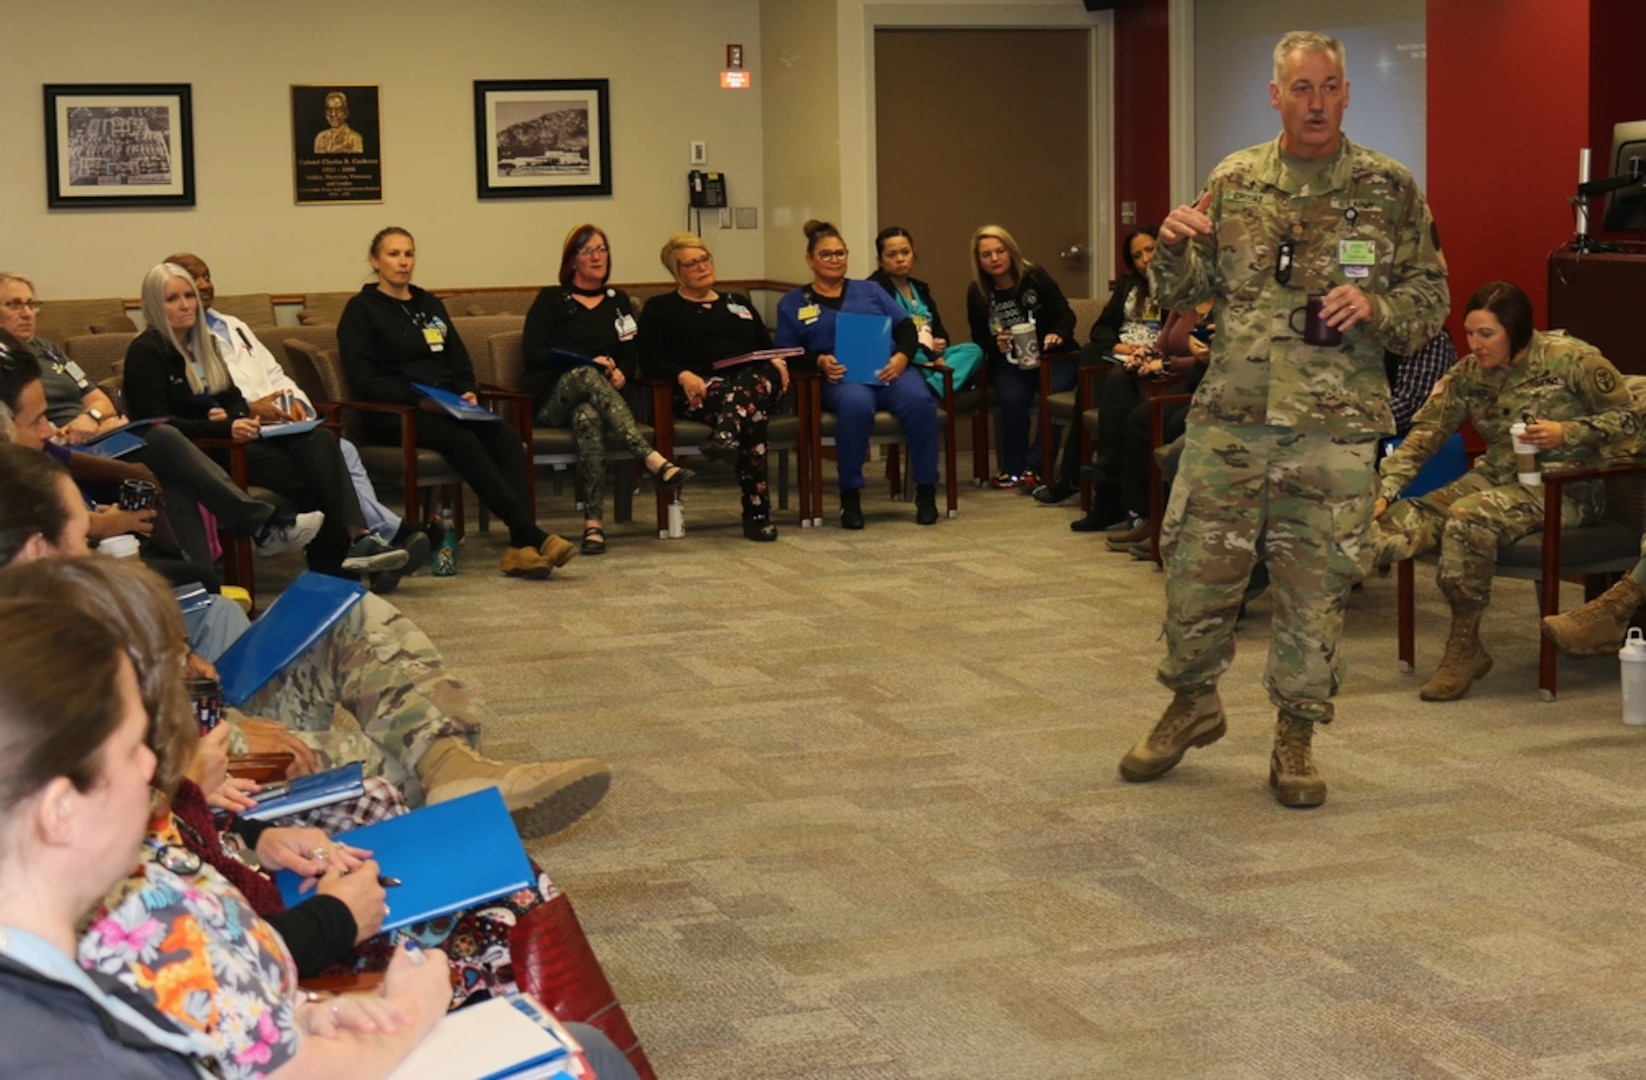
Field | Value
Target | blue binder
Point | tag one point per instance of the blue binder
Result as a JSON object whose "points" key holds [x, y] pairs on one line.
{"points": [[454, 403], [863, 343], [448, 857], [308, 792], [309, 607]]}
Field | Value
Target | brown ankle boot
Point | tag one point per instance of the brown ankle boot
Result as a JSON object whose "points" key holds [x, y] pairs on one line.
{"points": [[1465, 661], [1597, 628], [1292, 773], [1194, 718], [543, 797]]}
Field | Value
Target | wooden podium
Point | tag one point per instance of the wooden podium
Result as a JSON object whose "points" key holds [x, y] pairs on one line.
{"points": [[1601, 298]]}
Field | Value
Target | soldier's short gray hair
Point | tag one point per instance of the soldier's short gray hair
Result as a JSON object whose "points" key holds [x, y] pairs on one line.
{"points": [[1309, 41]]}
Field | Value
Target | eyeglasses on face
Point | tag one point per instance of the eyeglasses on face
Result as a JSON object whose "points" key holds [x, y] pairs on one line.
{"points": [[837, 255], [593, 249], [19, 305], [704, 259]]}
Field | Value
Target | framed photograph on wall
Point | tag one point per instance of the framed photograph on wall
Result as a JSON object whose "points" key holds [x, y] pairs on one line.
{"points": [[119, 144], [337, 143], [542, 138]]}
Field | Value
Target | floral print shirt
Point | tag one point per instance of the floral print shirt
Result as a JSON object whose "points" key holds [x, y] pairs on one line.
{"points": [[191, 945]]}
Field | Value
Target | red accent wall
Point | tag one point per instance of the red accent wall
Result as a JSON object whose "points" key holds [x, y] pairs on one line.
{"points": [[1142, 111], [1508, 110]]}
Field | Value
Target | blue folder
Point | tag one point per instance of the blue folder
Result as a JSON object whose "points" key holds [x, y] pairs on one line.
{"points": [[309, 607], [863, 343], [120, 441], [448, 857], [287, 427], [1449, 463], [307, 792], [454, 403]]}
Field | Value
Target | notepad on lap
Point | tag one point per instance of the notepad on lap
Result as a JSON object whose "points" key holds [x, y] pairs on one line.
{"points": [[448, 857], [309, 607], [755, 357], [454, 403], [308, 792], [287, 427], [120, 441], [501, 1037], [863, 343]]}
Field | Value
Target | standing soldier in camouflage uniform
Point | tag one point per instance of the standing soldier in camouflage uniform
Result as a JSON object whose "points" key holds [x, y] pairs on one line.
{"points": [[1282, 433], [1572, 401]]}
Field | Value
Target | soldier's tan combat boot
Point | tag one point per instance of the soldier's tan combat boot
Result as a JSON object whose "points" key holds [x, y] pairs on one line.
{"points": [[1597, 628], [1465, 661], [1292, 773], [1194, 718], [543, 797]]}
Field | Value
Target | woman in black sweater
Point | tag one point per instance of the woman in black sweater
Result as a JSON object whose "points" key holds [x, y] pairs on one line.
{"points": [[173, 369], [682, 334], [393, 334], [1009, 289], [580, 351]]}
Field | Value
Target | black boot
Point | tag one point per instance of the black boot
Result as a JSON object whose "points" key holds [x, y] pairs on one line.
{"points": [[1106, 510], [925, 504], [851, 509], [759, 527]]}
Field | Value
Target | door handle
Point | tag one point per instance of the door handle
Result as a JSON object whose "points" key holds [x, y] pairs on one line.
{"points": [[1076, 253]]}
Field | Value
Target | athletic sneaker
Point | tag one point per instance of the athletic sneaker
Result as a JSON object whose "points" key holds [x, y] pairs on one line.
{"points": [[1053, 493], [372, 553], [286, 533], [417, 550]]}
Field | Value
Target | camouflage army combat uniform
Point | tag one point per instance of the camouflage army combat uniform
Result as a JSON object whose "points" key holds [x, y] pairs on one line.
{"points": [[1281, 434], [381, 668], [1559, 378]]}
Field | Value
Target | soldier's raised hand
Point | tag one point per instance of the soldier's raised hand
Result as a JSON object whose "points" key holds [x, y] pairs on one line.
{"points": [[1187, 221]]}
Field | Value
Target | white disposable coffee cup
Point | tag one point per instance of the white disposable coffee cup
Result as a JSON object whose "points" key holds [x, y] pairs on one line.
{"points": [[118, 547], [1026, 345], [1527, 470]]}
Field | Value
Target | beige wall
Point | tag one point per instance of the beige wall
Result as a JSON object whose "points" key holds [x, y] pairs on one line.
{"points": [[662, 57], [800, 127]]}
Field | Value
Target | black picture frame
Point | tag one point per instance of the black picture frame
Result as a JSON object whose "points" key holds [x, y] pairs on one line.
{"points": [[542, 138], [119, 145]]}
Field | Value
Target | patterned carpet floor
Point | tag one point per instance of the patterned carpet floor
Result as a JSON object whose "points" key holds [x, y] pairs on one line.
{"points": [[866, 820]]}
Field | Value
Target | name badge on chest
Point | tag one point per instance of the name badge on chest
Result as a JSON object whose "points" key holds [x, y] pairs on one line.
{"points": [[1357, 257], [808, 314], [739, 310], [625, 327], [434, 339]]}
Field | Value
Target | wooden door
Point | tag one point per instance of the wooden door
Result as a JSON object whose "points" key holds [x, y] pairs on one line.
{"points": [[976, 127]]}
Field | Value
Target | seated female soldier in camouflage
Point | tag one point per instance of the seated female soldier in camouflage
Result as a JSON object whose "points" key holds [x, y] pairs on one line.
{"points": [[418, 724], [1573, 403]]}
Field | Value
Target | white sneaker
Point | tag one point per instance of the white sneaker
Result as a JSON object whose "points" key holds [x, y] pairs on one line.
{"points": [[294, 537]]}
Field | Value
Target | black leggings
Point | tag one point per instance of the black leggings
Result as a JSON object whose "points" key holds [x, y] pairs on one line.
{"points": [[489, 458]]}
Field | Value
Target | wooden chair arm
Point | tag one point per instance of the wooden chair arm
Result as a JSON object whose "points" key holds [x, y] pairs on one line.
{"points": [[1557, 476], [261, 768]]}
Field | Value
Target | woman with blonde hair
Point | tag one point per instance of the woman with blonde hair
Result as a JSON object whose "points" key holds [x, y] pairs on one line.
{"points": [[1008, 290], [580, 352], [173, 369], [682, 334]]}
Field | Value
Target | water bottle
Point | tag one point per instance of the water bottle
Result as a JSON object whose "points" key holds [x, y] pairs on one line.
{"points": [[445, 557], [1633, 660], [677, 517]]}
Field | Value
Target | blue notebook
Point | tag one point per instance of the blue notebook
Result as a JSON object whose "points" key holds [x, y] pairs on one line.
{"points": [[571, 359], [863, 343], [287, 427], [120, 441], [308, 792], [502, 1037], [309, 607], [454, 403], [448, 857]]}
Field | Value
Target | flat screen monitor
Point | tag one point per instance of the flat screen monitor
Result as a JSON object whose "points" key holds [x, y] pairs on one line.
{"points": [[1626, 209]]}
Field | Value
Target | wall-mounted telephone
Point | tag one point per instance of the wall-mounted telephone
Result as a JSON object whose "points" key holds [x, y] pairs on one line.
{"points": [[708, 189]]}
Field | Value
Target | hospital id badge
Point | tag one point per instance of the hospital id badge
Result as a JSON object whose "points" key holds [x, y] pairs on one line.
{"points": [[1356, 253], [434, 339], [809, 313]]}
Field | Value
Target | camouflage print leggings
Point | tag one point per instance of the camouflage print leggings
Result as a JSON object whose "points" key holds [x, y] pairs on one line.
{"points": [[585, 401], [737, 407], [383, 670]]}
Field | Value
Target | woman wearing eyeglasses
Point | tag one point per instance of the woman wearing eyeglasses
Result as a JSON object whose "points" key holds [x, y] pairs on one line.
{"points": [[1009, 290], [806, 318], [682, 334], [580, 351]]}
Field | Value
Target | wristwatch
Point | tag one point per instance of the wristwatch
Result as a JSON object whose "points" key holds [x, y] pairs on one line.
{"points": [[95, 414]]}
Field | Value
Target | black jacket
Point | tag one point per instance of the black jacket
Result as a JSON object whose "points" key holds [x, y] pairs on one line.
{"points": [[382, 345], [1037, 294], [1105, 332], [157, 385], [678, 335], [558, 321]]}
